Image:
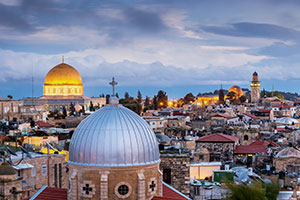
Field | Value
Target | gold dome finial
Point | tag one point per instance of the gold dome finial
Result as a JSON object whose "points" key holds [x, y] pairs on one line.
{"points": [[63, 59]]}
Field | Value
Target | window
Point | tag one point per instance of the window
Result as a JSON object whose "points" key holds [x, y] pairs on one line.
{"points": [[167, 175], [55, 175], [19, 175], [33, 172], [201, 157], [246, 137], [123, 189], [59, 175], [44, 170]]}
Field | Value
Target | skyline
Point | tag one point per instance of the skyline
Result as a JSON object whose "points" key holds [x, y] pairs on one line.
{"points": [[175, 46]]}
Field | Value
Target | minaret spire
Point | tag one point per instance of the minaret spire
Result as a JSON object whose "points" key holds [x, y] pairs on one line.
{"points": [[63, 59]]}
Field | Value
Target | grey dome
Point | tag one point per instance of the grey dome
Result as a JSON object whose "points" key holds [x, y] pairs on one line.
{"points": [[113, 136]]}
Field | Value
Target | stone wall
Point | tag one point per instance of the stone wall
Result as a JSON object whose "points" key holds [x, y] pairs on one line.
{"points": [[217, 151], [87, 182], [179, 164]]}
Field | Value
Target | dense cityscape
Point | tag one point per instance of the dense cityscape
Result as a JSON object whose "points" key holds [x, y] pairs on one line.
{"points": [[149, 100]]}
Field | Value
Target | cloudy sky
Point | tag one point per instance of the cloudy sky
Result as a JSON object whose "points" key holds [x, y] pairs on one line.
{"points": [[178, 46]]}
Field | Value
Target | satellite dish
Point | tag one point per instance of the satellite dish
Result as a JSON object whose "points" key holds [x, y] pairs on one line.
{"points": [[11, 151], [25, 151], [50, 146]]}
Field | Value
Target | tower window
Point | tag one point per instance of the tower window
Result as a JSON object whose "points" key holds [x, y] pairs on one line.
{"points": [[246, 137]]}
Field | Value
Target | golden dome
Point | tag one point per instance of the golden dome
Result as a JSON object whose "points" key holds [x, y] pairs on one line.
{"points": [[237, 90], [63, 74]]}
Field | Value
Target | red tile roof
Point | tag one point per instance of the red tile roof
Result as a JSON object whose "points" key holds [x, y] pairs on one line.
{"points": [[42, 124], [283, 105], [259, 146], [51, 193], [169, 193], [218, 137], [250, 115], [222, 115]]}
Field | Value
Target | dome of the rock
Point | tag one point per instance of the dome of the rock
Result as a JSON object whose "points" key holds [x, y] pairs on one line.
{"points": [[63, 80], [237, 91]]}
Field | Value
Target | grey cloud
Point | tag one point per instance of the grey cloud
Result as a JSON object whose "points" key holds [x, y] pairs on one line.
{"points": [[248, 29], [10, 16], [144, 20]]}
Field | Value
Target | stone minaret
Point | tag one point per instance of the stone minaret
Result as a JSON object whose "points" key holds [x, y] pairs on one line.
{"points": [[255, 88]]}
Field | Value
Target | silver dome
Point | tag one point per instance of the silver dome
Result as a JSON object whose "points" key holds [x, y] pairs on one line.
{"points": [[113, 136]]}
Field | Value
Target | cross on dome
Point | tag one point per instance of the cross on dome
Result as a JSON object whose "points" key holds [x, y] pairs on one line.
{"points": [[113, 83]]}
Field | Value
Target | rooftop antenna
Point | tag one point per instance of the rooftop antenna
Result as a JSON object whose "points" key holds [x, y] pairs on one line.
{"points": [[113, 83]]}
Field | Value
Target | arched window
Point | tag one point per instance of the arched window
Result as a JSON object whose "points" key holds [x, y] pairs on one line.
{"points": [[246, 137]]}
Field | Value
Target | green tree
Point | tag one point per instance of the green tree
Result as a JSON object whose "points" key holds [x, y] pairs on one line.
{"points": [[221, 96], [92, 106], [126, 96], [64, 113], [188, 98], [277, 94], [139, 100], [147, 101], [243, 99], [107, 97], [155, 106], [72, 109], [162, 99], [253, 191]]}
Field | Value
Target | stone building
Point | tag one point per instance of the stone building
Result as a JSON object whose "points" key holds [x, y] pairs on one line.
{"points": [[31, 174], [114, 155], [220, 147], [288, 160], [175, 167]]}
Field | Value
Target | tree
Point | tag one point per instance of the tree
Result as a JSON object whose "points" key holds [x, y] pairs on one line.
{"points": [[180, 102], [277, 94], [231, 95], [246, 192], [126, 95], [9, 96], [131, 104], [64, 112], [221, 96], [72, 109], [82, 109], [188, 98], [255, 191], [139, 97], [92, 106], [162, 99], [117, 95], [155, 102], [243, 99], [107, 98], [147, 101], [139, 100]]}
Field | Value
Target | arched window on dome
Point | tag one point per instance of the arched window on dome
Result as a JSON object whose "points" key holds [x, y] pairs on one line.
{"points": [[246, 137]]}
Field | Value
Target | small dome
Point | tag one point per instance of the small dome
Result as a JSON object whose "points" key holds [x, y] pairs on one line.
{"points": [[63, 74], [237, 90], [6, 169], [113, 136]]}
